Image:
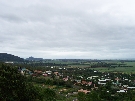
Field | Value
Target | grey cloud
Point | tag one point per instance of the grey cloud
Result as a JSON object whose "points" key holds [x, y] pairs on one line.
{"points": [[68, 29], [11, 18]]}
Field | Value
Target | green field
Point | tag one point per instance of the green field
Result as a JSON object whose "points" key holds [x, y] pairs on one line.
{"points": [[117, 69], [125, 67]]}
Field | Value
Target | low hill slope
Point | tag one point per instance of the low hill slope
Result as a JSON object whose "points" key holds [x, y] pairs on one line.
{"points": [[9, 57]]}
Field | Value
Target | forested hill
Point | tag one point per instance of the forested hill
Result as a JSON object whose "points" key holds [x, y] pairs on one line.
{"points": [[9, 57]]}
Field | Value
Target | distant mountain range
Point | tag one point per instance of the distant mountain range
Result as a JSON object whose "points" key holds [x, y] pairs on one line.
{"points": [[34, 59], [4, 57]]}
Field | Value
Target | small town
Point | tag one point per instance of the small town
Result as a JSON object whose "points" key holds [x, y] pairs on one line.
{"points": [[73, 79], [85, 80]]}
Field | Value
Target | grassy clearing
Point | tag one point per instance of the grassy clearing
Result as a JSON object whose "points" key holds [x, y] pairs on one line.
{"points": [[130, 63], [117, 69], [127, 67]]}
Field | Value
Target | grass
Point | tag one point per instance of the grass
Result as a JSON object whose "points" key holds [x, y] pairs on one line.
{"points": [[123, 69], [116, 69]]}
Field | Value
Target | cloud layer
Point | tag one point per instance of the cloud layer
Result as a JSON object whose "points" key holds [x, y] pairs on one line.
{"points": [[99, 29]]}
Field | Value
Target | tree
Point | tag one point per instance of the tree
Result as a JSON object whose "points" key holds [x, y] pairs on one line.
{"points": [[49, 95], [14, 86], [93, 96], [82, 96]]}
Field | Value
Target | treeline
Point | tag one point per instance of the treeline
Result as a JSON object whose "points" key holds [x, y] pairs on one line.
{"points": [[102, 64], [51, 82], [36, 64]]}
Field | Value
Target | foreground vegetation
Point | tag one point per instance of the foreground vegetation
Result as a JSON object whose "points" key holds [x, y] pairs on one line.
{"points": [[15, 86]]}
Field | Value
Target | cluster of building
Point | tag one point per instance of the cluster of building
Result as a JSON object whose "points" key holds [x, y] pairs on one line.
{"points": [[122, 81]]}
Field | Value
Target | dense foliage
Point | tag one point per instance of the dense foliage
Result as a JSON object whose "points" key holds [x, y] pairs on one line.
{"points": [[15, 87]]}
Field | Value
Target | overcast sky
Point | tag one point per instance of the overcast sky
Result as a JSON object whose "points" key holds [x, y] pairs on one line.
{"points": [[79, 29]]}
